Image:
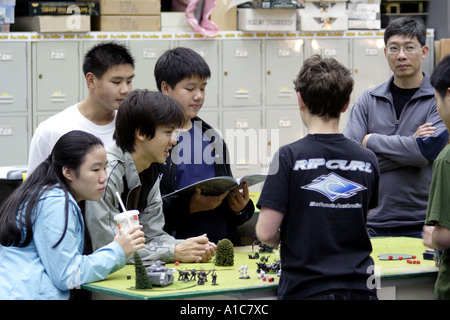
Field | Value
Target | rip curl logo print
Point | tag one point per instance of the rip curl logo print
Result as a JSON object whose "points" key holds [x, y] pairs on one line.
{"points": [[334, 187]]}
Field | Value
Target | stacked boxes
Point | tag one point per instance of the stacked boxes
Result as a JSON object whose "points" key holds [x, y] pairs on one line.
{"points": [[267, 15], [174, 22], [267, 19], [128, 15], [6, 14], [225, 18], [441, 49], [323, 16], [55, 16], [364, 14]]}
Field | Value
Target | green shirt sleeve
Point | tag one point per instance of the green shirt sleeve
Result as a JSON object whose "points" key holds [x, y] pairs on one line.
{"points": [[439, 200]]}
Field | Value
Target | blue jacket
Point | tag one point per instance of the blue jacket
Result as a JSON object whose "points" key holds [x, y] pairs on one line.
{"points": [[405, 161], [41, 272]]}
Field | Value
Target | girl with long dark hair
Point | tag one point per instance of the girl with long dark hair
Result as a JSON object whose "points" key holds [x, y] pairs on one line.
{"points": [[42, 227]]}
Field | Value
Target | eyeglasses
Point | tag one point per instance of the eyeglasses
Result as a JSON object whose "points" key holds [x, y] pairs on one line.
{"points": [[408, 49]]}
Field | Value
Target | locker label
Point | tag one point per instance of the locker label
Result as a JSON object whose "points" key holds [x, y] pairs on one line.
{"points": [[6, 131], [285, 123], [371, 52], [149, 54], [284, 52], [57, 55], [242, 124], [6, 55], [242, 53], [330, 52]]}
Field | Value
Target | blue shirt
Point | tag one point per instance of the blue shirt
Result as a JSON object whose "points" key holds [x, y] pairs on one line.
{"points": [[195, 157], [195, 162], [41, 272]]}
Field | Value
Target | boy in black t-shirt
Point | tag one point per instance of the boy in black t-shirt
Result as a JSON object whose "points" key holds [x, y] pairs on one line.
{"points": [[316, 198]]}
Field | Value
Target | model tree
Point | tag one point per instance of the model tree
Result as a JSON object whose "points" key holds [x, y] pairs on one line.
{"points": [[224, 253], [143, 281]]}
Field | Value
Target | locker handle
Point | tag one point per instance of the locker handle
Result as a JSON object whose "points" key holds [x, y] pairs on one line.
{"points": [[242, 94], [242, 166], [6, 99], [285, 93], [58, 97]]}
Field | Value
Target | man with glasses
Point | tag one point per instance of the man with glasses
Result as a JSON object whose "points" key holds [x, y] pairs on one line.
{"points": [[398, 120]]}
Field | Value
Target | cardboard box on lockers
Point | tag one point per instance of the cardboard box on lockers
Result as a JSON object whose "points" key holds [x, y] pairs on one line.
{"points": [[130, 7], [61, 23], [321, 8], [363, 16], [441, 50], [224, 18], [174, 22], [324, 23], [126, 23], [267, 19], [323, 16]]}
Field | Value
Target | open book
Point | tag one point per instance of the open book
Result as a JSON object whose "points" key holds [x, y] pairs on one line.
{"points": [[218, 185]]}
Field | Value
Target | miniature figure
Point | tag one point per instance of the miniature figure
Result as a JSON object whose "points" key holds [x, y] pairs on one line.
{"points": [[255, 256], [202, 277], [193, 274], [159, 274], [244, 273], [183, 275], [261, 274], [267, 267], [203, 274], [214, 278], [262, 247]]}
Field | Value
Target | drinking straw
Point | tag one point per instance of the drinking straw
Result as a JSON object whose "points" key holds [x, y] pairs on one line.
{"points": [[120, 201]]}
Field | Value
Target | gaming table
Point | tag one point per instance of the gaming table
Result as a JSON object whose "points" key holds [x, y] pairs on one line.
{"points": [[394, 278]]}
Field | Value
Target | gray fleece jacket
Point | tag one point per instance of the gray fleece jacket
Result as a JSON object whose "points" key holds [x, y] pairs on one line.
{"points": [[124, 178], [405, 161]]}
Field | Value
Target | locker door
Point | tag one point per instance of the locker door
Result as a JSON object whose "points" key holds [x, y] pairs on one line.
{"points": [[241, 73], [14, 75], [241, 133], [211, 117], [288, 126], [13, 140], [57, 70], [146, 53], [284, 59], [209, 50], [368, 53], [428, 63], [338, 49]]}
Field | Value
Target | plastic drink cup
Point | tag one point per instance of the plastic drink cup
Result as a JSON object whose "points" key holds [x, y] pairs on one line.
{"points": [[121, 220], [127, 219], [133, 217]]}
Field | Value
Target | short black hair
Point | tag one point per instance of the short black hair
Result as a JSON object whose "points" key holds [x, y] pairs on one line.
{"points": [[406, 27], [143, 111], [180, 63], [105, 55]]}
